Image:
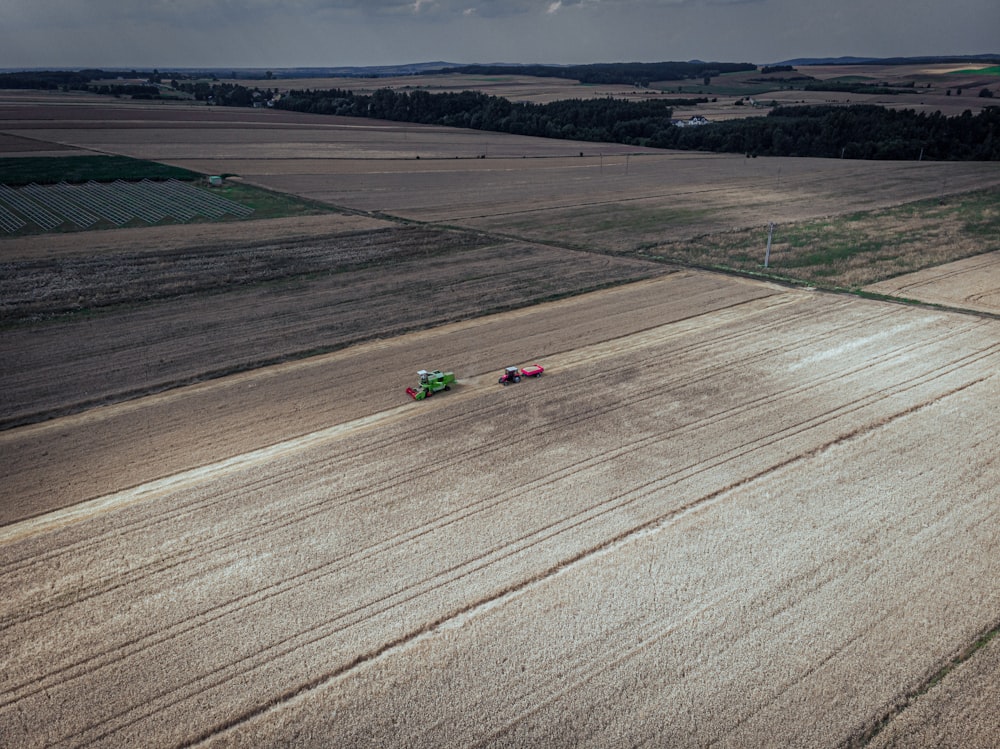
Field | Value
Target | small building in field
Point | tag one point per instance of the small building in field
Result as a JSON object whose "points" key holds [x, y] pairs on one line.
{"points": [[692, 122]]}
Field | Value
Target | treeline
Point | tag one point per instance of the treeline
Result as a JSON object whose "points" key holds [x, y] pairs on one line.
{"points": [[630, 73], [47, 80], [858, 87], [855, 132], [612, 120], [135, 90], [96, 80]]}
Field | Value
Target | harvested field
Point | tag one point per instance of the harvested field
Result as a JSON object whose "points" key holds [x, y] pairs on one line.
{"points": [[972, 283], [151, 240], [13, 145], [122, 324], [729, 512], [958, 711]]}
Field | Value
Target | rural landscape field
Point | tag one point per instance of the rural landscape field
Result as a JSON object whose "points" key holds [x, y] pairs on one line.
{"points": [[743, 506]]}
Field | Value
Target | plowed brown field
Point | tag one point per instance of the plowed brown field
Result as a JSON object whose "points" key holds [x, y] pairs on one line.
{"points": [[728, 513]]}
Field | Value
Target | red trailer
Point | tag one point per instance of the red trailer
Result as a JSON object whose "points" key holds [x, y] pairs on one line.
{"points": [[513, 374]]}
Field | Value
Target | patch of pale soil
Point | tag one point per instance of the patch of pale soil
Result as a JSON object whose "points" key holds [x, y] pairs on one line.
{"points": [[972, 283], [766, 528]]}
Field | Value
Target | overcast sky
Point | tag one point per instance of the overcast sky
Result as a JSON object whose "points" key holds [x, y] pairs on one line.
{"points": [[328, 33]]}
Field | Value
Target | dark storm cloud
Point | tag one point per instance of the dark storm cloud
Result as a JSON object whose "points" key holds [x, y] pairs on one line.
{"points": [[287, 33]]}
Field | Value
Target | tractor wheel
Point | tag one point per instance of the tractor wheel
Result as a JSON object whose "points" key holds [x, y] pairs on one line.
{"points": [[447, 387], [502, 381], [517, 379]]}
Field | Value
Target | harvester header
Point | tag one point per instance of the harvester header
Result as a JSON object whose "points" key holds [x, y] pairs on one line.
{"points": [[430, 383]]}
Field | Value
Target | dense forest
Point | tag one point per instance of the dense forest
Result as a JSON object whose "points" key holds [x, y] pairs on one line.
{"points": [[862, 131], [612, 120], [856, 132]]}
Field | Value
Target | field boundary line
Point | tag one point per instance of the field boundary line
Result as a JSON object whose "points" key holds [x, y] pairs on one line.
{"points": [[472, 384], [104, 412]]}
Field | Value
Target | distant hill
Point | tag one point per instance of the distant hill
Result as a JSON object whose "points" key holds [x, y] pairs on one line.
{"points": [[371, 71], [254, 73], [889, 60], [618, 71]]}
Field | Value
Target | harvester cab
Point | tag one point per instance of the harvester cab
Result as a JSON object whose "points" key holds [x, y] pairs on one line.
{"points": [[430, 383]]}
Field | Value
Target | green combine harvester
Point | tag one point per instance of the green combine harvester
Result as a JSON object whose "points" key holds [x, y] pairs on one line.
{"points": [[430, 383]]}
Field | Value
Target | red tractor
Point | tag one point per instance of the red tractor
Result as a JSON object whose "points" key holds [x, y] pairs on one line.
{"points": [[513, 374]]}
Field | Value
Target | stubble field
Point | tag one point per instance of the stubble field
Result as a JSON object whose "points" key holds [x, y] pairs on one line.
{"points": [[730, 512], [754, 526]]}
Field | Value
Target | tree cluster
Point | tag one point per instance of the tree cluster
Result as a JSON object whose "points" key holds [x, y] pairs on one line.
{"points": [[858, 87], [46, 80], [612, 120], [135, 90], [855, 132]]}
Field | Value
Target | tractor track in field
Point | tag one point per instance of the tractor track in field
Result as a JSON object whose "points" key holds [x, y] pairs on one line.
{"points": [[730, 513], [458, 408], [631, 342], [470, 388], [585, 671]]}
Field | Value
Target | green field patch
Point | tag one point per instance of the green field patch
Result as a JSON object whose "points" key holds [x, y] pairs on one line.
{"points": [[993, 70], [47, 170], [269, 204], [66, 208]]}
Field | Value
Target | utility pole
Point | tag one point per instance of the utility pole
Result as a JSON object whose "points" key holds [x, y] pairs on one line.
{"points": [[767, 254]]}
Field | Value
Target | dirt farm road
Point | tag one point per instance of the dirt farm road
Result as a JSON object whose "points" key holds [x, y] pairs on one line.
{"points": [[729, 512]]}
